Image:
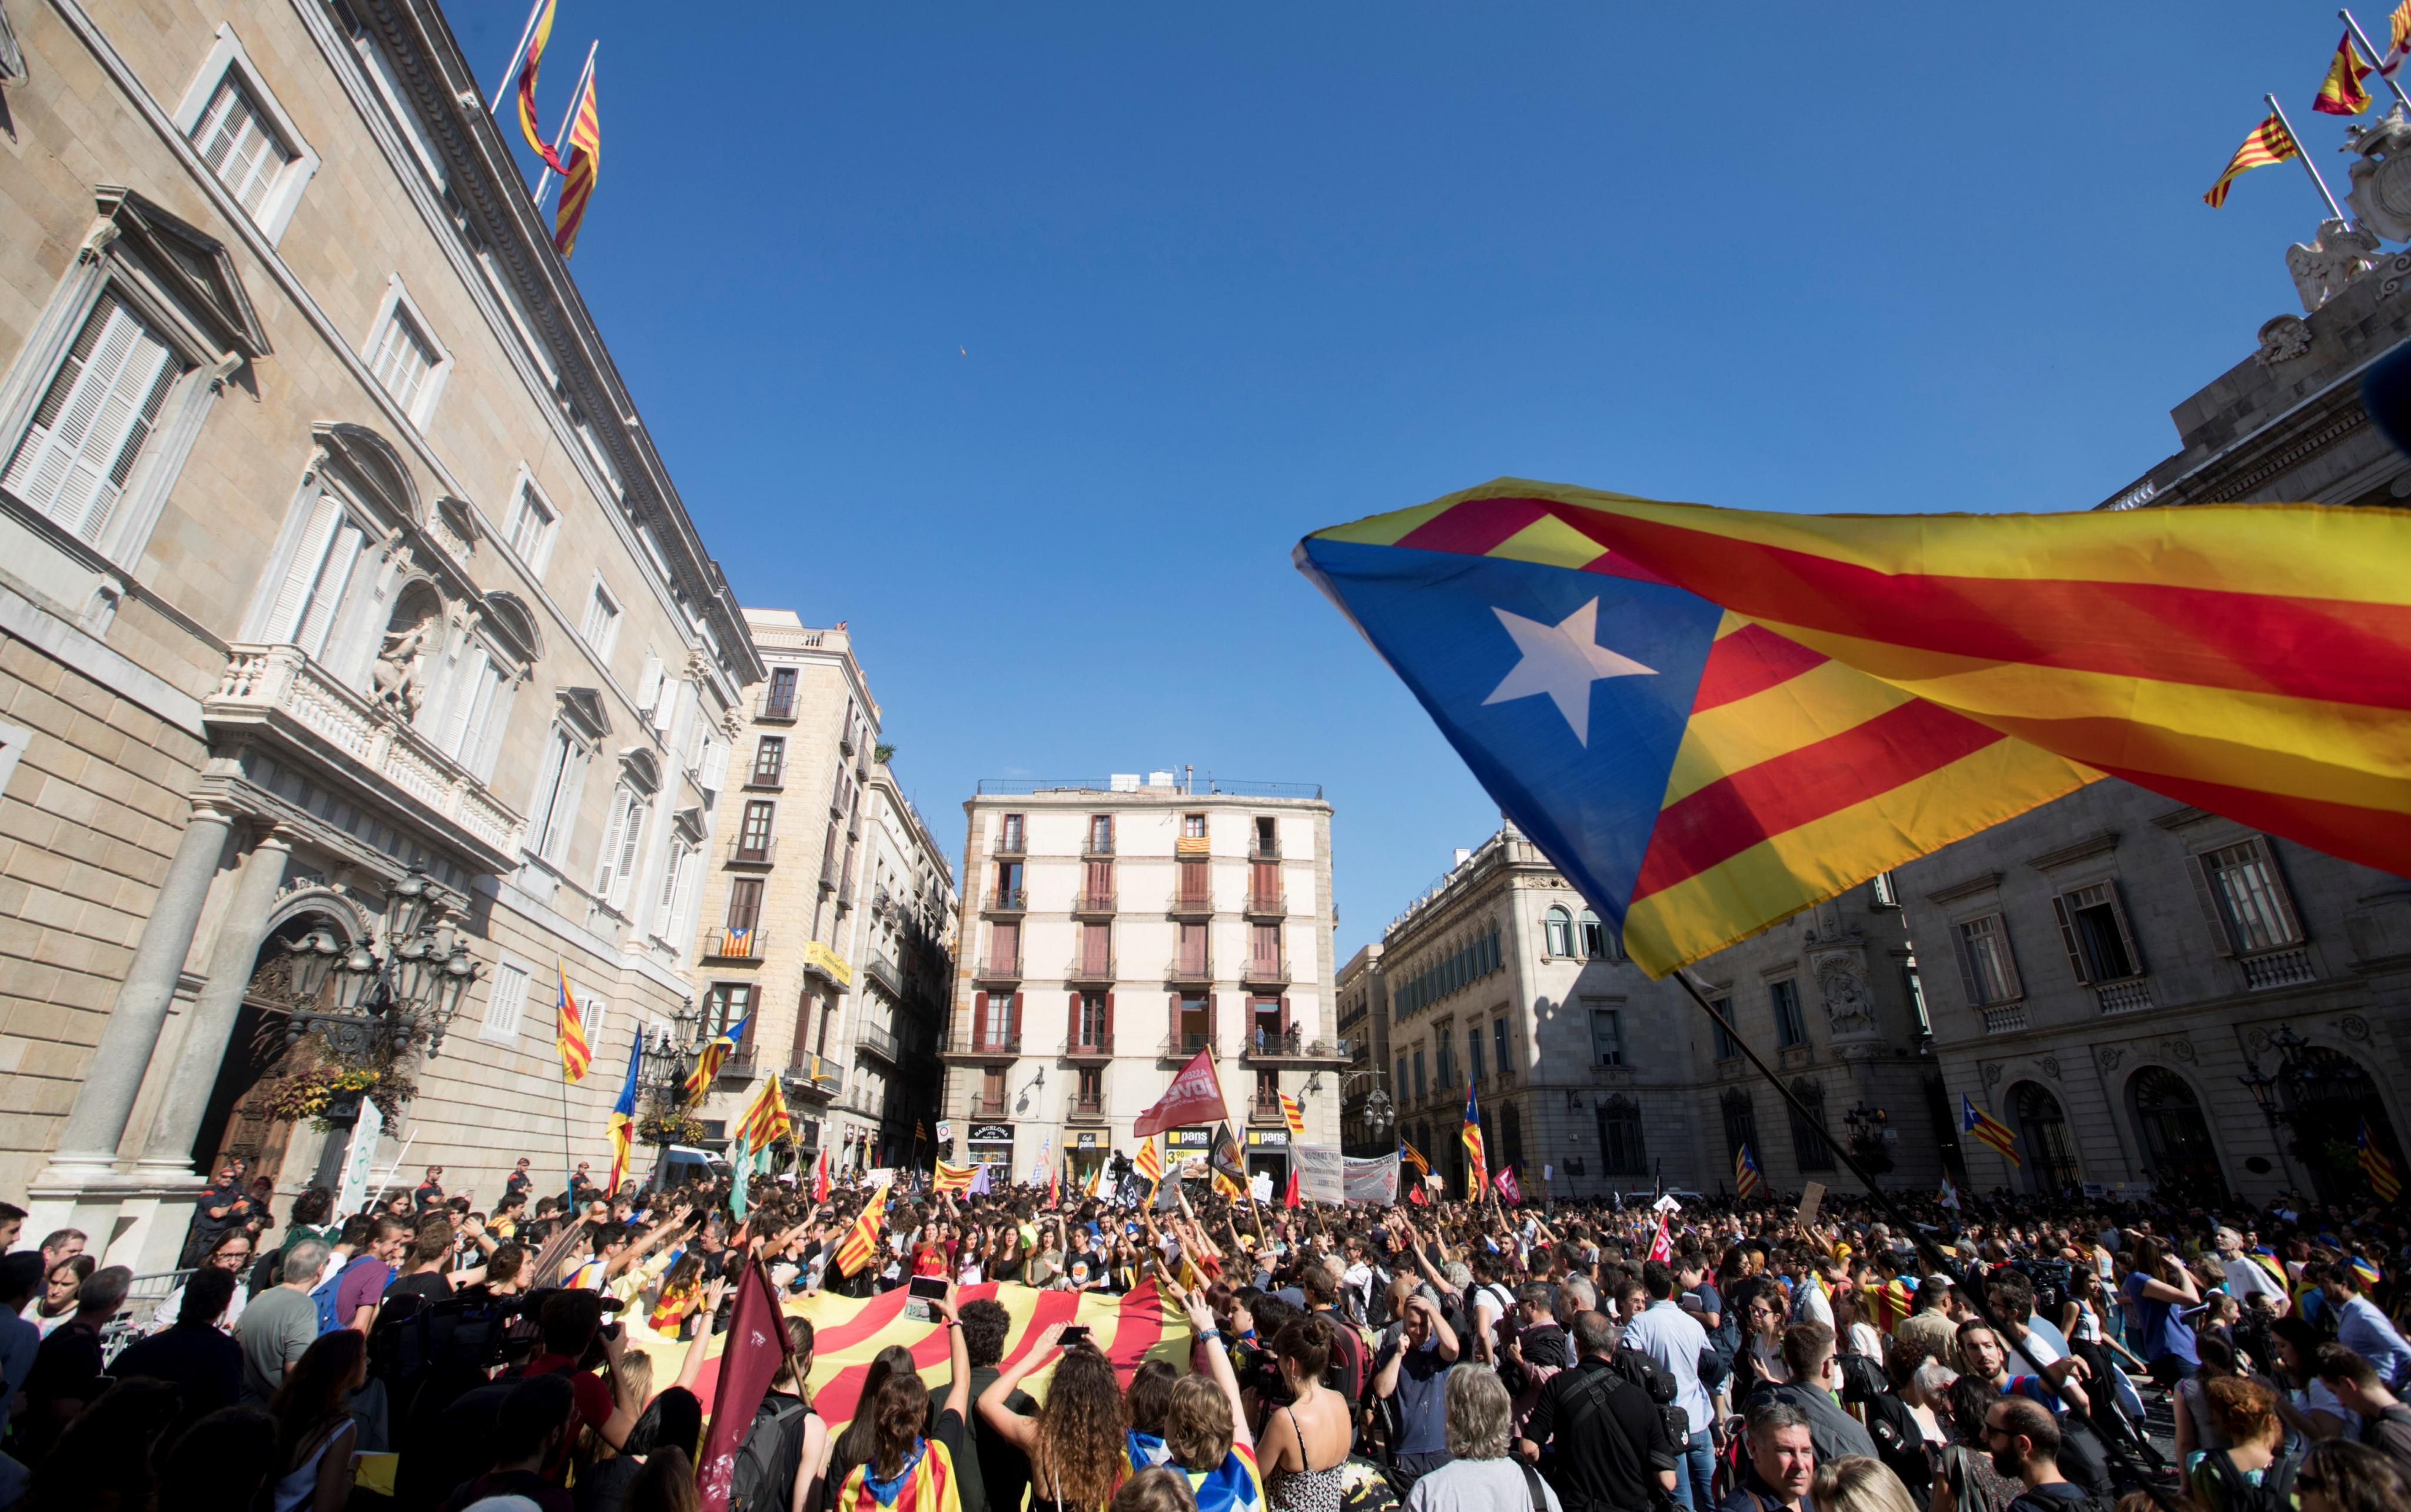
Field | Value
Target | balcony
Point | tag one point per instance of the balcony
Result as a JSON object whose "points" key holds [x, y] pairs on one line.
{"points": [[1088, 969], [346, 740], [1503, 1077], [845, 742], [774, 708], [883, 970], [1267, 1111], [1097, 848], [999, 968], [1292, 1049], [2279, 968], [736, 1071], [1093, 904], [1192, 904], [981, 1048], [757, 851], [880, 1042], [725, 944], [1190, 968], [1008, 900], [980, 1106], [821, 1079], [1184, 1044], [2005, 1020], [1078, 1046], [1261, 848], [2129, 997], [1012, 841], [1263, 973], [1266, 905], [832, 968], [1080, 1109]]}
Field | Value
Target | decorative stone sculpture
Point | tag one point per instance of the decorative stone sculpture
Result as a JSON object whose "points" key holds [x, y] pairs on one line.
{"points": [[1848, 1010], [2282, 340], [2334, 258], [397, 679], [2380, 195]]}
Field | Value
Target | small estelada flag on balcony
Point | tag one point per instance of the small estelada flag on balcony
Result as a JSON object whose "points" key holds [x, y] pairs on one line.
{"points": [[1293, 1115], [737, 944]]}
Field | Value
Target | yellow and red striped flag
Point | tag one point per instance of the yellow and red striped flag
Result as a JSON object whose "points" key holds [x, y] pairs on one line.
{"points": [[578, 177], [2398, 41], [1477, 1174], [2382, 1177], [2269, 142], [952, 1178], [2342, 92], [1293, 1115], [766, 1119], [1149, 1162], [862, 1240], [1800, 702], [569, 1038], [539, 34]]}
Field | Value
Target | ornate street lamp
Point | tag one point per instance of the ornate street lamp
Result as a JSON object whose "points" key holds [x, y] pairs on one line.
{"points": [[661, 1080], [1870, 1132], [392, 993], [2266, 1090]]}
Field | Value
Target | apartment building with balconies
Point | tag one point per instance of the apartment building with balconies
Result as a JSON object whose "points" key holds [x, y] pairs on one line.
{"points": [[1115, 927], [333, 553]]}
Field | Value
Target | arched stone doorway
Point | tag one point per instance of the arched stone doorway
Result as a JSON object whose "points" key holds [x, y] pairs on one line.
{"points": [[2176, 1136], [2327, 1096], [2042, 1129], [237, 1121]]}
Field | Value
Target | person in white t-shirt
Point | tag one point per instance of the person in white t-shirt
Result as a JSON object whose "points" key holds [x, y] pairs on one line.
{"points": [[2246, 1276]]}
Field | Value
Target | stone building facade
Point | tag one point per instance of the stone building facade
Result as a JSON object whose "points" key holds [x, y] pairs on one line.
{"points": [[830, 913], [1115, 928], [331, 546], [1501, 980], [2153, 996], [1366, 1127]]}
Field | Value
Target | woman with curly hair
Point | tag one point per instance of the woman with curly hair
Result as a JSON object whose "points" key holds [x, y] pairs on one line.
{"points": [[1078, 1441], [909, 1472]]}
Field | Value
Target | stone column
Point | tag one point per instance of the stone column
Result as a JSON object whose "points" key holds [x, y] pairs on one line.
{"points": [[168, 1152], [105, 1102]]}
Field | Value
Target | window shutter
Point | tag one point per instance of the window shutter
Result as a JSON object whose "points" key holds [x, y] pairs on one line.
{"points": [[606, 859], [979, 1018], [326, 594], [2068, 938], [2126, 932], [1211, 1038], [715, 766], [2205, 892], [489, 734], [1109, 1015], [1968, 978], [80, 448], [649, 685], [1016, 1030], [2009, 959], [2283, 894], [293, 594], [468, 689], [1284, 1015], [563, 818], [622, 884]]}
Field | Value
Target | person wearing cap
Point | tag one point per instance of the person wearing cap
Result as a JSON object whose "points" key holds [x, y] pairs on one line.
{"points": [[220, 1206], [518, 1182]]}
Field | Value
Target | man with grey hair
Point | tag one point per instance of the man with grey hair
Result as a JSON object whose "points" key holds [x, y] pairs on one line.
{"points": [[1782, 1462], [280, 1323], [1575, 1297], [2246, 1276], [1480, 1475]]}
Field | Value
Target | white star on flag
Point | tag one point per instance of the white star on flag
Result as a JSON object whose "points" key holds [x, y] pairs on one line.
{"points": [[1562, 661]]}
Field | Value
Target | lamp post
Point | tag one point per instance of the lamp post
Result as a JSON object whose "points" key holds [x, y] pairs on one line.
{"points": [[1870, 1132], [2266, 1088], [395, 990], [1376, 1112], [669, 1052]]}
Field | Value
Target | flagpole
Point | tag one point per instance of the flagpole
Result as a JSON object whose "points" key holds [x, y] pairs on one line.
{"points": [[2335, 211], [578, 98], [2375, 57], [568, 1164], [519, 54]]}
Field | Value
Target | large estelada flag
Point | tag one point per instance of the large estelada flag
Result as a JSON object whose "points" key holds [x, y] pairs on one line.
{"points": [[1476, 1159], [620, 1127], [1711, 719]]}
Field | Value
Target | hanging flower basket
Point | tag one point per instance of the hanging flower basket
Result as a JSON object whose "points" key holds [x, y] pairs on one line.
{"points": [[670, 1129], [330, 1096]]}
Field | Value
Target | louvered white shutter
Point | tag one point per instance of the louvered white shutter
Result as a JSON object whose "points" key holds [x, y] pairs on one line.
{"points": [[606, 869], [631, 836], [471, 685], [293, 594], [88, 433], [715, 767], [649, 685], [326, 594]]}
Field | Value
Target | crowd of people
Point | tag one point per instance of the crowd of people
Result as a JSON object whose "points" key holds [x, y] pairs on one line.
{"points": [[1439, 1357]]}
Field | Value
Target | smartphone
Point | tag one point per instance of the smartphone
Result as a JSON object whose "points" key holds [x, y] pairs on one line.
{"points": [[1076, 1333], [916, 1301]]}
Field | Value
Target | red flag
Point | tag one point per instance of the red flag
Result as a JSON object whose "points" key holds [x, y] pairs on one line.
{"points": [[1195, 1096], [821, 1182], [1505, 1181], [757, 1345], [1415, 1195], [1290, 1197], [1660, 1248]]}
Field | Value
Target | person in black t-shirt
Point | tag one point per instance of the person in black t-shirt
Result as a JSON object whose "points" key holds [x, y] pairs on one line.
{"points": [[193, 1355], [1611, 1442]]}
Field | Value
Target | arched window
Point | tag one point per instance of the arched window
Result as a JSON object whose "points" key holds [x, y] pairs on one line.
{"points": [[2176, 1136], [1594, 938], [1623, 1147], [2328, 1097], [2042, 1128], [1807, 1142], [1560, 929], [1741, 1122]]}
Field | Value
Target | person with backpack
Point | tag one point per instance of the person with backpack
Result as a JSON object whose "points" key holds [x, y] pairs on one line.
{"points": [[788, 1446], [2024, 1440], [2255, 1473], [1610, 1450], [1674, 1340], [2385, 1421]]}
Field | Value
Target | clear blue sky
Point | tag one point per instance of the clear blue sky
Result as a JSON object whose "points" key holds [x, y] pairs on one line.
{"points": [[1227, 273]]}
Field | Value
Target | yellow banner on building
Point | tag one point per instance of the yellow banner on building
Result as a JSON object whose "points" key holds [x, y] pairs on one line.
{"points": [[819, 955]]}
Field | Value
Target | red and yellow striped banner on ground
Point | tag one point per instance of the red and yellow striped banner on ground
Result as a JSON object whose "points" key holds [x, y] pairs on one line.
{"points": [[2269, 142], [848, 1331]]}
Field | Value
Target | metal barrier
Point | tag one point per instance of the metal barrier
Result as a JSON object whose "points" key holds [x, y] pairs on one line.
{"points": [[144, 1294]]}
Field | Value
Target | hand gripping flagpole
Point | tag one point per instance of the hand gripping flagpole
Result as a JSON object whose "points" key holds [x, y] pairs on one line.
{"points": [[2335, 211], [1972, 1281], [2377, 59], [578, 98]]}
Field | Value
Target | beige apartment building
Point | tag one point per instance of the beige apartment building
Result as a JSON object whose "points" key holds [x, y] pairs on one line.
{"points": [[1114, 929], [337, 578], [828, 914]]}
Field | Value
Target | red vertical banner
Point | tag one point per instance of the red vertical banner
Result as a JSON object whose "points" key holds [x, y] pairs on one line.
{"points": [[757, 1343]]}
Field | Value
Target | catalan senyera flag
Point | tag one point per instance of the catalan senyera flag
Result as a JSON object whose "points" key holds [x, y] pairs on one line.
{"points": [[570, 1037], [578, 178], [2269, 142], [862, 1240], [714, 1056], [1889, 1305], [1293, 1115], [766, 1119], [823, 1183], [2398, 40], [1799, 702], [2384, 1179], [1976, 1121], [952, 1178], [538, 34], [621, 1128], [1477, 1165], [1096, 1180], [1148, 1162], [1748, 1180], [2342, 92]]}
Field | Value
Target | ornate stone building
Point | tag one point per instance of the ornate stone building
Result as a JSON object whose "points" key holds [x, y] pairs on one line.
{"points": [[2152, 996], [330, 547], [1500, 980], [1367, 1125]]}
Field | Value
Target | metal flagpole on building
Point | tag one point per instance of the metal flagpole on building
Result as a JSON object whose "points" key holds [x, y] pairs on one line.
{"points": [[518, 55], [2377, 59], [577, 96], [2335, 211]]}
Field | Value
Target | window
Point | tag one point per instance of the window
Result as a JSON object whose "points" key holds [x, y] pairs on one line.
{"points": [[472, 699], [1499, 1041], [1557, 929], [1887, 895], [1594, 938], [1473, 1050], [529, 527], [992, 1096], [1195, 890], [506, 1001], [1419, 1073], [2248, 901], [769, 761], [1009, 836], [1101, 835], [1267, 837], [2093, 926], [1091, 1092], [677, 878], [1268, 1092], [316, 579], [753, 833], [1915, 986], [405, 359], [1265, 947], [1192, 826], [602, 626], [240, 145], [1727, 1047], [744, 904], [1789, 1028], [1093, 1019], [779, 702], [553, 813], [996, 1028], [1741, 1124], [1606, 1037], [89, 430], [1623, 1147], [1193, 960], [615, 868], [592, 1013], [726, 1005], [1985, 962], [1008, 884], [1807, 1142], [1097, 948], [1401, 1082]]}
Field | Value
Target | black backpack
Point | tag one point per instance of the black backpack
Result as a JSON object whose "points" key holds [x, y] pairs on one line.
{"points": [[763, 1477], [1641, 1369], [2275, 1493]]}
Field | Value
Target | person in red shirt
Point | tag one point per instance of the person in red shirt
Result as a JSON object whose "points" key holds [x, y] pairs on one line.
{"points": [[571, 1321]]}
